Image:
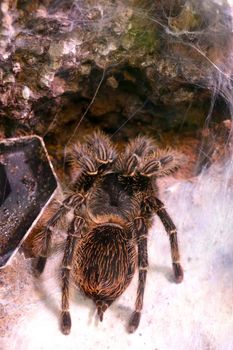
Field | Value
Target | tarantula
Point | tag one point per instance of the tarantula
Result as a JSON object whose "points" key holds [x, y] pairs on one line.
{"points": [[113, 199]]}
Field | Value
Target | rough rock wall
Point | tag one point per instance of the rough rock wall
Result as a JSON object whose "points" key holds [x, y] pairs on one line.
{"points": [[161, 61]]}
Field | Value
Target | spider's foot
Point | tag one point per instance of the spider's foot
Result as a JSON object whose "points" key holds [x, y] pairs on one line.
{"points": [[65, 322], [134, 321], [101, 315], [40, 265], [178, 272]]}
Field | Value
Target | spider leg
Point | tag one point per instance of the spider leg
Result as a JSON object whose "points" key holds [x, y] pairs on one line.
{"points": [[101, 147], [73, 200], [172, 232], [141, 231], [74, 232]]}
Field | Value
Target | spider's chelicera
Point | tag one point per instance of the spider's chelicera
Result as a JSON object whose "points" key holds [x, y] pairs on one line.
{"points": [[113, 197]]}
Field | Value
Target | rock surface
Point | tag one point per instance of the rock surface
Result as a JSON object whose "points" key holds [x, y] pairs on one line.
{"points": [[60, 58]]}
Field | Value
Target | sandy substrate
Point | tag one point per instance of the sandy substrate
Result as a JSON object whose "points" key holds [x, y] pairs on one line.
{"points": [[196, 314]]}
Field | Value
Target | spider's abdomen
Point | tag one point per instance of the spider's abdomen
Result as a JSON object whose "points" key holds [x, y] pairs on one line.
{"points": [[104, 262]]}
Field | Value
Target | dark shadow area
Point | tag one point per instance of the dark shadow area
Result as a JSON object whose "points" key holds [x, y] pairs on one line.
{"points": [[5, 188]]}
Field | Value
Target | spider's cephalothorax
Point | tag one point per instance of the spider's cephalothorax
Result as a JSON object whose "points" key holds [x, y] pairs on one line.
{"points": [[113, 197]]}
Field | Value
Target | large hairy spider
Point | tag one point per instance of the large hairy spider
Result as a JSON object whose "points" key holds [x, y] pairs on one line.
{"points": [[113, 199]]}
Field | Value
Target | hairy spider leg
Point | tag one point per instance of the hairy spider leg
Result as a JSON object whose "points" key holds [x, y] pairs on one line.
{"points": [[73, 234], [73, 201], [141, 231], [139, 168], [129, 161], [172, 233]]}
